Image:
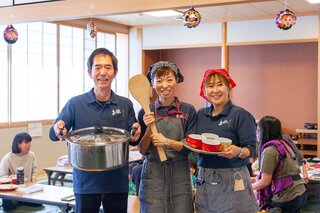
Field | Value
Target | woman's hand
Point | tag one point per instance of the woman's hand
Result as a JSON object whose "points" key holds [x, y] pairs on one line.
{"points": [[231, 151], [148, 118], [304, 171], [253, 179], [159, 140], [263, 182]]}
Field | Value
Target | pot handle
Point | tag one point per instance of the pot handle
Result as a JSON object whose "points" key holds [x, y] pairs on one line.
{"points": [[61, 131], [133, 130]]}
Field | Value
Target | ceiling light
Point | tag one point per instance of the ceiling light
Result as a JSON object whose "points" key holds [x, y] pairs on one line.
{"points": [[314, 1], [163, 13]]}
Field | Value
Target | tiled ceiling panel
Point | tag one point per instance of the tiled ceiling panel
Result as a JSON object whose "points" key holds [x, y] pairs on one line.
{"points": [[230, 12]]}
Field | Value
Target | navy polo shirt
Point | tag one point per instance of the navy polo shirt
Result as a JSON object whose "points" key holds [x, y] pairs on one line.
{"points": [[85, 111], [233, 122]]}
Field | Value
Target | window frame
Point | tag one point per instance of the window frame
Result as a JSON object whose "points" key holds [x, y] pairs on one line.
{"points": [[45, 121]]}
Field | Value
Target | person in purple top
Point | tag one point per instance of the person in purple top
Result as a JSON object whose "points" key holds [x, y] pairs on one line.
{"points": [[223, 182], [279, 184], [97, 108]]}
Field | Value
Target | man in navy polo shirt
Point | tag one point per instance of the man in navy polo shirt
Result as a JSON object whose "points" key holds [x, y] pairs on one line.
{"points": [[99, 107]]}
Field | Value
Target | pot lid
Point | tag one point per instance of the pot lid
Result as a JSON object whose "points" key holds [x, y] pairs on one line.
{"points": [[98, 136]]}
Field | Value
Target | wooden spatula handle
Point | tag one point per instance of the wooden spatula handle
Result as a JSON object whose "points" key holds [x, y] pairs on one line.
{"points": [[139, 88], [154, 130], [161, 152]]}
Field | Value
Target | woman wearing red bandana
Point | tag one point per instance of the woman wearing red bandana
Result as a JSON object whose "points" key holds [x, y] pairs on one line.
{"points": [[223, 180]]}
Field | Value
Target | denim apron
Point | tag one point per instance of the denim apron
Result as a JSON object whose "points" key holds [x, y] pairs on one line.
{"points": [[166, 186], [216, 193]]}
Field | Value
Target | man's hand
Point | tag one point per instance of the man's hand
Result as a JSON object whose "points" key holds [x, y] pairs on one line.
{"points": [[60, 130], [137, 132]]}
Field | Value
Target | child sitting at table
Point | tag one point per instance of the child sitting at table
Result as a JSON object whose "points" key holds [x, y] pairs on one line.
{"points": [[20, 156]]}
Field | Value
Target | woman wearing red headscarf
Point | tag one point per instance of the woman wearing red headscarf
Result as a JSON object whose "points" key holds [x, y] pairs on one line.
{"points": [[223, 180]]}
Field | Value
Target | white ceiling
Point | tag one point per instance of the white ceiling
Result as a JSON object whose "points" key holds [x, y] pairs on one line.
{"points": [[229, 12]]}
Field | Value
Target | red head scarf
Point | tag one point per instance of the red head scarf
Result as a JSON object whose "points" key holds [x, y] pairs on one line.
{"points": [[210, 72]]}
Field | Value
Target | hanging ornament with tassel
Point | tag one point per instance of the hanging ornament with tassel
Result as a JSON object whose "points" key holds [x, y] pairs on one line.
{"points": [[91, 27], [285, 19], [10, 34]]}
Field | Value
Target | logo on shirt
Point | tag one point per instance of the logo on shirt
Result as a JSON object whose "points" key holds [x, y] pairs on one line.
{"points": [[223, 122], [116, 113]]}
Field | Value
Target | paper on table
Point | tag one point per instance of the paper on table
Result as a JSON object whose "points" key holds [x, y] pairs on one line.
{"points": [[33, 188]]}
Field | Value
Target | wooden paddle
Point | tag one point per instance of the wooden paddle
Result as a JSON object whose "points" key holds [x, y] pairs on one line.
{"points": [[139, 88]]}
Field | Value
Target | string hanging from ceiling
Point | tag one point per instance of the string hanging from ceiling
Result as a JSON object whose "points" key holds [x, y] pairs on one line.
{"points": [[10, 34], [191, 18], [285, 19], [91, 27]]}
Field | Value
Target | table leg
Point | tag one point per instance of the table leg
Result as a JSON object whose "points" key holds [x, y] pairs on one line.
{"points": [[49, 173], [64, 208]]}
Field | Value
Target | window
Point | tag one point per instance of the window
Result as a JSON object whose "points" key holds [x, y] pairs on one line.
{"points": [[48, 65], [123, 73], [76, 45], [33, 72], [71, 63], [108, 41]]}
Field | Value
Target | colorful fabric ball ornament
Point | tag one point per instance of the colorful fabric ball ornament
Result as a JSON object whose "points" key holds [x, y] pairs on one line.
{"points": [[10, 34], [286, 19], [191, 18], [92, 28]]}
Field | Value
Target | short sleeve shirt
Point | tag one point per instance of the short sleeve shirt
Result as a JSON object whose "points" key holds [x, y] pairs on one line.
{"points": [[85, 111], [270, 157], [234, 123]]}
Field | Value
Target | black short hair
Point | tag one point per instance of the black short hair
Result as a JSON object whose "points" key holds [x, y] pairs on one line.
{"points": [[102, 51], [18, 139]]}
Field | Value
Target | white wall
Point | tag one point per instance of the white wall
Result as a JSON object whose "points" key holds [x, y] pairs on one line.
{"points": [[166, 37], [209, 34], [267, 30], [135, 59]]}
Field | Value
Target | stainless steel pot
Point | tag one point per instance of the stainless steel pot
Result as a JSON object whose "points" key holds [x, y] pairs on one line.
{"points": [[98, 148]]}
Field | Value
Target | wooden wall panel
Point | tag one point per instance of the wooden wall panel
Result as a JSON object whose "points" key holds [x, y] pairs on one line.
{"points": [[278, 79]]}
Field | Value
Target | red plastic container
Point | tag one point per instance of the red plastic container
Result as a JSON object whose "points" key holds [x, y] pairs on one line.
{"points": [[211, 145], [195, 141]]}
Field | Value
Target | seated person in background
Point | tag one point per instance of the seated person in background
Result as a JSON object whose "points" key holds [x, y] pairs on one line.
{"points": [[20, 156], [302, 163], [58, 176], [62, 161], [136, 175], [278, 183]]}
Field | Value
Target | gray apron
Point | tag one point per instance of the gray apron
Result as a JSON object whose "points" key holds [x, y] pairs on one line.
{"points": [[166, 186], [216, 192]]}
